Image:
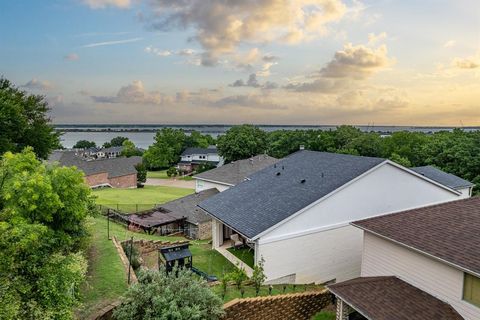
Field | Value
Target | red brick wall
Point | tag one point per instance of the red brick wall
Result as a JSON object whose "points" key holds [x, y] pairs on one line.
{"points": [[128, 181], [96, 179]]}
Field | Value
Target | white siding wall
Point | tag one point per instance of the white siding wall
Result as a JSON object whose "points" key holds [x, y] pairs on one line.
{"points": [[466, 192], [385, 258], [204, 185], [318, 257], [309, 254], [199, 157]]}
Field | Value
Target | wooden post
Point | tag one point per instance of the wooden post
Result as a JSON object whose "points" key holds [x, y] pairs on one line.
{"points": [[130, 259], [108, 224]]}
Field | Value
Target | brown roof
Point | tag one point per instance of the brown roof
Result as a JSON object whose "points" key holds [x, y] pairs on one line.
{"points": [[449, 231], [153, 218], [391, 298]]}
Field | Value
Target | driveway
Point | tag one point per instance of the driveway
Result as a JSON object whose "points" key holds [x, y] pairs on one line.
{"points": [[171, 183]]}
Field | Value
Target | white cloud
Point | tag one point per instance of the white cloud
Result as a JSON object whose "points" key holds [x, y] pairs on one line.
{"points": [[71, 57], [449, 44], [133, 93], [375, 38], [100, 4], [109, 43], [36, 84], [471, 62]]}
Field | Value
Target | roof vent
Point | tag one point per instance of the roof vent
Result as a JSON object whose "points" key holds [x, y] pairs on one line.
{"points": [[322, 175], [283, 168], [274, 165], [278, 173], [303, 181]]}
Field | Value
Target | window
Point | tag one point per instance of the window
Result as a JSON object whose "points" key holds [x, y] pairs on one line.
{"points": [[471, 289]]}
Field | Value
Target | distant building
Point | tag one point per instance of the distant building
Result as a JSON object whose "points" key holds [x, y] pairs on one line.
{"points": [[106, 172], [192, 158], [100, 153]]}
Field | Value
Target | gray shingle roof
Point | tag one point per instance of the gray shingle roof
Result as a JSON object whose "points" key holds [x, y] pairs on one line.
{"points": [[380, 298], [115, 167], [191, 151], [186, 207], [447, 179], [235, 172], [278, 191]]}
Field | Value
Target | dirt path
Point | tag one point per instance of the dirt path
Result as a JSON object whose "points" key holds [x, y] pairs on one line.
{"points": [[171, 183]]}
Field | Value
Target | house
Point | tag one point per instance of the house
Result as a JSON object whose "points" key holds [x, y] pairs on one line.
{"points": [[422, 263], [109, 172], [198, 224], [231, 173], [296, 212], [192, 158], [447, 179]]}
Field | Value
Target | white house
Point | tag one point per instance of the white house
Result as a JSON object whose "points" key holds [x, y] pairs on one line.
{"points": [[434, 250], [232, 173], [296, 212], [193, 157]]}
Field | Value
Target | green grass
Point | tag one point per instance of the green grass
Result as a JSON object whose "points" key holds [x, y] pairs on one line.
{"points": [[324, 315], [249, 290], [245, 254], [142, 198], [162, 174], [106, 280]]}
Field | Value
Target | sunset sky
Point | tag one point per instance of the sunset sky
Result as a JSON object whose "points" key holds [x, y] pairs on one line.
{"points": [[391, 62]]}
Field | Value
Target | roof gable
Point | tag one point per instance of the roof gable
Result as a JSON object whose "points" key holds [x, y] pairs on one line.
{"points": [[447, 179], [280, 190]]}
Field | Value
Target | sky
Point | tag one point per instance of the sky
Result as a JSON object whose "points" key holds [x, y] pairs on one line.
{"points": [[364, 62]]}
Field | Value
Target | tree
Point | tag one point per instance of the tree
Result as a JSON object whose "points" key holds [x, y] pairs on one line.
{"points": [[166, 150], [238, 275], [258, 276], [85, 144], [129, 149], [42, 223], [172, 172], [24, 122], [400, 160], [196, 139], [241, 142], [177, 295], [115, 142], [141, 173]]}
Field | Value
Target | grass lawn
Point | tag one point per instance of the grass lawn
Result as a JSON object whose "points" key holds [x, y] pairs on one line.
{"points": [[106, 280], [233, 292], [324, 315], [129, 200], [245, 254], [162, 174]]}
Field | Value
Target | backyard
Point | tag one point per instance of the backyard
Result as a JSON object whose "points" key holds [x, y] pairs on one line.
{"points": [[245, 254], [162, 174], [133, 200]]}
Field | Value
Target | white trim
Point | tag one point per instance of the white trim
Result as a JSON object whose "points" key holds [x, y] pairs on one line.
{"points": [[348, 184], [208, 180], [419, 251], [348, 303]]}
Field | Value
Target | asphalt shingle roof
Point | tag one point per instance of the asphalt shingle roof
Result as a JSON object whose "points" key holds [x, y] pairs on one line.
{"points": [[115, 167], [186, 207], [380, 298], [191, 151], [447, 179], [235, 172], [449, 231], [271, 195]]}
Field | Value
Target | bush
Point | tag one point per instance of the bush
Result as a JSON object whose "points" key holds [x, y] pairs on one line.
{"points": [[179, 295], [258, 276], [172, 172], [238, 276], [135, 255]]}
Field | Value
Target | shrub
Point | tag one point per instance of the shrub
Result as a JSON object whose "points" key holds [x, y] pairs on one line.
{"points": [[258, 276], [172, 172]]}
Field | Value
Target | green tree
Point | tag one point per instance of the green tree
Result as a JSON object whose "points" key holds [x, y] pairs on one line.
{"points": [[344, 135], [196, 139], [281, 143], [42, 223], [166, 149], [85, 144], [141, 173], [115, 142], [258, 276], [129, 149], [409, 145], [24, 122], [400, 160], [172, 172], [179, 295], [241, 142]]}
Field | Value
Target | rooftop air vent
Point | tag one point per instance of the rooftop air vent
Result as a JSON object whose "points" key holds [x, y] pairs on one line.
{"points": [[278, 173], [303, 181]]}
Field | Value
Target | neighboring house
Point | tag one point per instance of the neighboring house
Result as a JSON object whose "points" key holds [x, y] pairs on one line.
{"points": [[231, 173], [296, 212], [447, 179], [198, 224], [115, 172], [422, 263], [192, 158], [100, 153]]}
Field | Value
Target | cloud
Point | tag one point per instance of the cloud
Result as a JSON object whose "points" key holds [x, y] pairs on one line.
{"points": [[358, 62], [158, 52], [253, 83], [109, 43], [449, 44], [100, 4], [71, 57], [253, 101], [375, 38], [221, 26], [472, 62], [133, 93], [36, 84]]}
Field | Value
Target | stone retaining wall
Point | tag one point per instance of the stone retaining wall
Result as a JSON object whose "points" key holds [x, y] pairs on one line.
{"points": [[147, 246], [297, 306]]}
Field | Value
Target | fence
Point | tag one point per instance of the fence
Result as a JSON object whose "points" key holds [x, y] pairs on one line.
{"points": [[297, 306], [127, 208]]}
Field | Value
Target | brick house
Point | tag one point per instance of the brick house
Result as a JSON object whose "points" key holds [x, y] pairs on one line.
{"points": [[116, 172]]}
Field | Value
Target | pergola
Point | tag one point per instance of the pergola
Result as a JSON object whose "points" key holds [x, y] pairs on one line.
{"points": [[154, 219]]}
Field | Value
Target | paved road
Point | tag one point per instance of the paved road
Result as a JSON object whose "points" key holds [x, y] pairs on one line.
{"points": [[171, 183]]}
